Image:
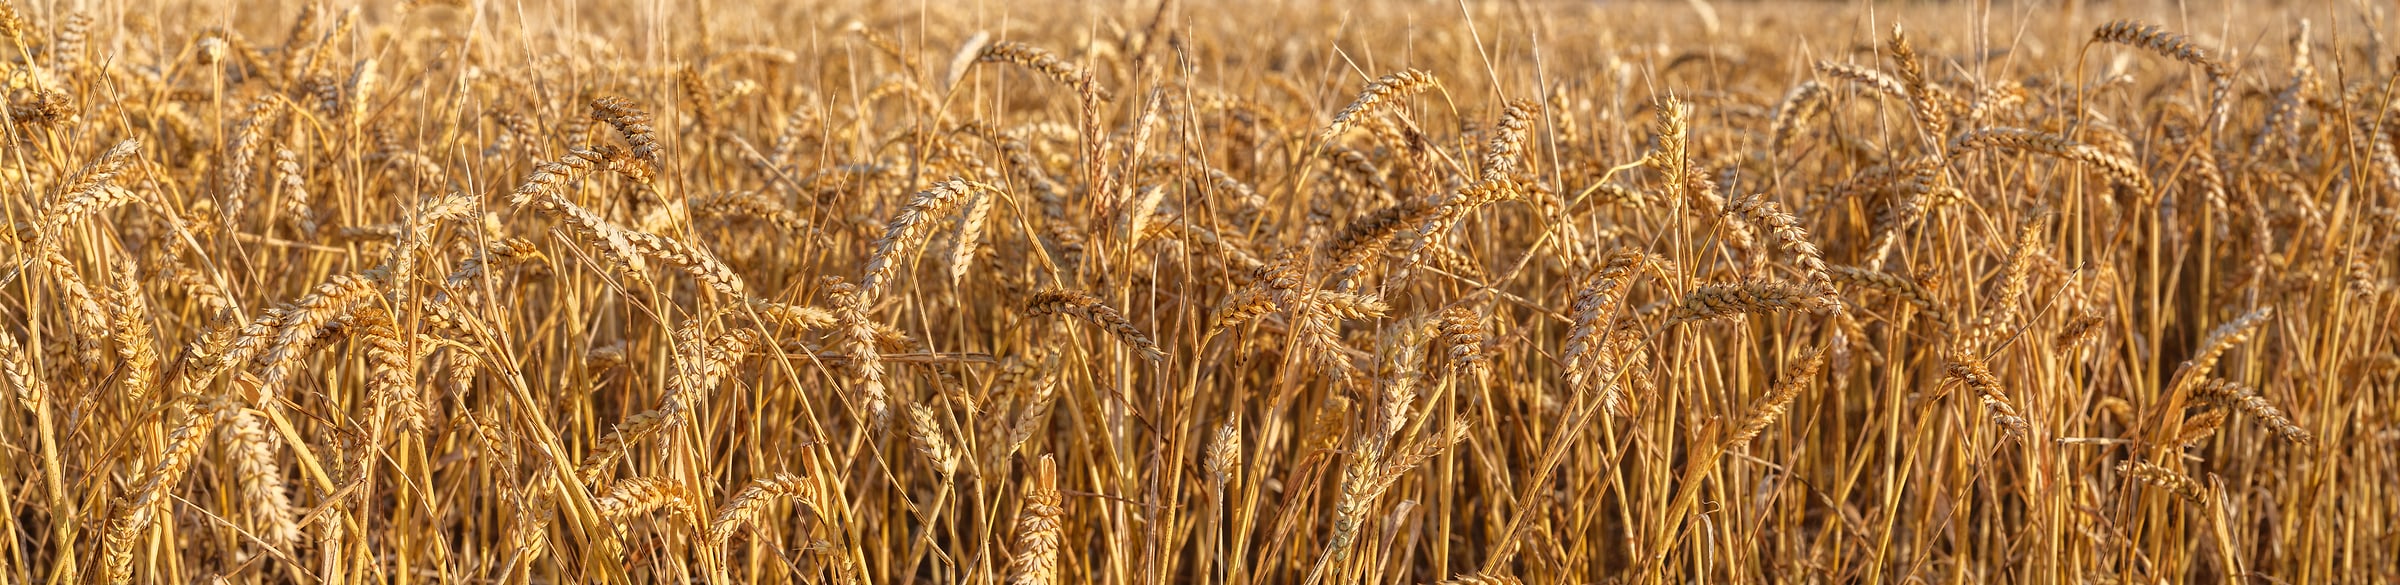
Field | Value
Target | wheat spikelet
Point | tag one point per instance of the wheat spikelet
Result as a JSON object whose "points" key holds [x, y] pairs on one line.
{"points": [[1448, 258], [1224, 453], [1408, 457], [1671, 158], [295, 197], [392, 381], [230, 346], [2198, 427], [704, 363], [2220, 340], [2002, 310], [263, 489], [1595, 307], [2193, 372], [50, 108], [13, 24], [630, 122], [544, 190], [1352, 306], [2118, 169], [1438, 221], [970, 230], [907, 230], [528, 536], [1507, 146], [1237, 259], [130, 327], [1995, 100], [1356, 165], [1872, 79], [1786, 228], [1089, 308], [1482, 578], [1244, 196], [2167, 479], [2079, 329], [29, 390], [1040, 529], [692, 260], [794, 316], [641, 495], [1396, 376], [2134, 33], [313, 68], [858, 340], [1795, 380], [1895, 285], [1462, 331], [1360, 485], [249, 135], [926, 433], [135, 516], [1922, 99], [1725, 300], [66, 49], [615, 243], [1030, 419], [748, 205], [1048, 64], [89, 192], [1138, 210], [84, 309], [1244, 306], [1803, 103], [549, 179], [309, 317], [1379, 94], [298, 42], [634, 428], [1368, 234], [2381, 152], [1987, 388], [746, 507], [2231, 394]]}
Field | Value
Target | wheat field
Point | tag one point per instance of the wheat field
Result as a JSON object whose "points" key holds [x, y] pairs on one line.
{"points": [[1245, 292]]}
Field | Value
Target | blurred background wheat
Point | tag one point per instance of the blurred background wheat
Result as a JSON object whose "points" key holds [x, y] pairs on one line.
{"points": [[1246, 292]]}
